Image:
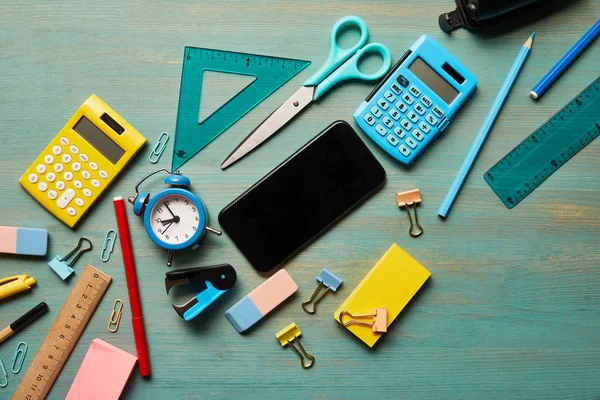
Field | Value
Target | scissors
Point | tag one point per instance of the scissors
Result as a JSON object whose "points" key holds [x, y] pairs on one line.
{"points": [[341, 65]]}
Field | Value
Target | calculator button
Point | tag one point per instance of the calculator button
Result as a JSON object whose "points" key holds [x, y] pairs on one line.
{"points": [[77, 184], [93, 166], [376, 111], [393, 140], [68, 176], [42, 186], [50, 177], [412, 116], [383, 104], [57, 150], [95, 183], [60, 185], [65, 198], [79, 201], [437, 111], [103, 174], [394, 114], [52, 194], [87, 192], [72, 212], [49, 159], [402, 80], [426, 102], [401, 106], [83, 157], [419, 109], [389, 96], [41, 168], [395, 88], [424, 127], [431, 119], [33, 178], [410, 142], [76, 166], [64, 141], [369, 119], [418, 134], [66, 158], [404, 150], [86, 174], [408, 99], [59, 167], [387, 121], [74, 149], [416, 92], [380, 129], [406, 125], [399, 132]]}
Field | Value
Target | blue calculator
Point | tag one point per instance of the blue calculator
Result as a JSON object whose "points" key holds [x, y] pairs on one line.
{"points": [[416, 101]]}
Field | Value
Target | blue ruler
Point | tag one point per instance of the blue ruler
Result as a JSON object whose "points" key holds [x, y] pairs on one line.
{"points": [[547, 149], [191, 135]]}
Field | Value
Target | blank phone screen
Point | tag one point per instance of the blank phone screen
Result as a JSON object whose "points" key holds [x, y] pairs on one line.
{"points": [[301, 197]]}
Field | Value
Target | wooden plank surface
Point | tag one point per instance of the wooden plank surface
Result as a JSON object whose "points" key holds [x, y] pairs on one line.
{"points": [[512, 309]]}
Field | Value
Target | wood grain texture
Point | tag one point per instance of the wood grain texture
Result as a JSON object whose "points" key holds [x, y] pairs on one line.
{"points": [[512, 309]]}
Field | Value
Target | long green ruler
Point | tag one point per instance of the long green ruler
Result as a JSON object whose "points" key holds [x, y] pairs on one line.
{"points": [[547, 149], [191, 134]]}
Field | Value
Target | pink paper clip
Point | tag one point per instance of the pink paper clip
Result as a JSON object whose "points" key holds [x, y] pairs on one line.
{"points": [[379, 323], [411, 198]]}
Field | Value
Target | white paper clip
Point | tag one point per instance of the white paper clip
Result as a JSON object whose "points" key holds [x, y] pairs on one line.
{"points": [[326, 280], [411, 198]]}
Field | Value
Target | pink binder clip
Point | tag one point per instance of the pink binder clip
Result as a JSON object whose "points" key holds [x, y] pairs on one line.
{"points": [[411, 198], [379, 323]]}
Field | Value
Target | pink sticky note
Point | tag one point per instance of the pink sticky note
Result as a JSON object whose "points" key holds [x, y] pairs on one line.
{"points": [[103, 373]]}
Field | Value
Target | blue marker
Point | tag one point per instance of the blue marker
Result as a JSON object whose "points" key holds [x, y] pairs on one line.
{"points": [[564, 63], [486, 128]]}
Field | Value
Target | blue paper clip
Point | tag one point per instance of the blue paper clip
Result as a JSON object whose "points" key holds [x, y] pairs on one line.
{"points": [[159, 148], [3, 382], [326, 280], [63, 269], [17, 362], [109, 245]]}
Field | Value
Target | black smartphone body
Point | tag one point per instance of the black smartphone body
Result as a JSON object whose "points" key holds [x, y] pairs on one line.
{"points": [[302, 197]]}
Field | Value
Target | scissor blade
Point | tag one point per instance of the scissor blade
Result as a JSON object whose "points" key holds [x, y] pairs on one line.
{"points": [[273, 123]]}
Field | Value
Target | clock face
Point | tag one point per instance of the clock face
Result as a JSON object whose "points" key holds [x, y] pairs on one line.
{"points": [[175, 219]]}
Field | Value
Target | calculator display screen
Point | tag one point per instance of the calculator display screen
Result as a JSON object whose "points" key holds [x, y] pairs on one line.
{"points": [[431, 78], [98, 139]]}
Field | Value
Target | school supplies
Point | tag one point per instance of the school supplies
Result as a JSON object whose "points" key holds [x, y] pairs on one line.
{"points": [[108, 245], [416, 101], [290, 336], [411, 198], [137, 320], [561, 66], [81, 161], [216, 280], [63, 335], [23, 321], [15, 284], [378, 319], [23, 241], [341, 65], [103, 374], [261, 301], [175, 218], [193, 134], [486, 128], [159, 148], [4, 380], [390, 284], [548, 148], [18, 357], [62, 266], [327, 281], [115, 316]]}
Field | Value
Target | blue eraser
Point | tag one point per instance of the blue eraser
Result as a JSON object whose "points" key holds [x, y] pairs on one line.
{"points": [[24, 241], [60, 267], [328, 279], [243, 314]]}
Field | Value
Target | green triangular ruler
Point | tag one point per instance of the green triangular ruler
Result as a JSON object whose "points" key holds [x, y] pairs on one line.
{"points": [[193, 132]]}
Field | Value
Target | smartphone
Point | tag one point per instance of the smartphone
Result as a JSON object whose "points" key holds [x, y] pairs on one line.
{"points": [[302, 197]]}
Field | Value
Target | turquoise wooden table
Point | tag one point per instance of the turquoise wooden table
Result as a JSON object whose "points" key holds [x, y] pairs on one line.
{"points": [[512, 309]]}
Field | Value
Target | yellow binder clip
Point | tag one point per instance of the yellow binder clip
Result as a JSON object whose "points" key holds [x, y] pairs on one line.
{"points": [[379, 323], [289, 335], [411, 198]]}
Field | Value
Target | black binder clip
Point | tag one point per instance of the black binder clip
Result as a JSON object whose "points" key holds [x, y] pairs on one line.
{"points": [[217, 280]]}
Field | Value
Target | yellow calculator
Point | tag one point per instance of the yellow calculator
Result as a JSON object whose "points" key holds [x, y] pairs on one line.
{"points": [[82, 160]]}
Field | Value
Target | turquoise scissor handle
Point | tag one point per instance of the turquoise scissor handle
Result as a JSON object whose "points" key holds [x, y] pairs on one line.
{"points": [[337, 55], [349, 69]]}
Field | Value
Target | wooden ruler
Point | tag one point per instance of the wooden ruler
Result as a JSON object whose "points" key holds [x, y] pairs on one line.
{"points": [[63, 335]]}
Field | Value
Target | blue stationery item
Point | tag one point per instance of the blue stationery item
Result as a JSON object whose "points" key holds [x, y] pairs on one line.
{"points": [[108, 245], [416, 101], [62, 266], [25, 241], [4, 380], [326, 280], [566, 60], [159, 148], [18, 357], [485, 128], [340, 65]]}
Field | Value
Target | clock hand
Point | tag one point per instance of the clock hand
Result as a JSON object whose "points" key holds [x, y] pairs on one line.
{"points": [[163, 232], [165, 203], [169, 221]]}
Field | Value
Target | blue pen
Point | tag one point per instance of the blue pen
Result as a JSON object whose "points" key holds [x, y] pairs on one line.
{"points": [[486, 128], [564, 63]]}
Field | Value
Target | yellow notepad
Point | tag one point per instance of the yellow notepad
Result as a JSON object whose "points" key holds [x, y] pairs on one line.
{"points": [[390, 284]]}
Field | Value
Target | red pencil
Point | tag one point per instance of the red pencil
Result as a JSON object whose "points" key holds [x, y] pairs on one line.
{"points": [[137, 320]]}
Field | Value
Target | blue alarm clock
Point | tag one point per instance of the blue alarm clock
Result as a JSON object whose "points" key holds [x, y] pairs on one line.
{"points": [[175, 218]]}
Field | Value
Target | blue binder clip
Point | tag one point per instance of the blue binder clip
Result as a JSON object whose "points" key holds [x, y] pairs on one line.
{"points": [[216, 280], [326, 280], [61, 267]]}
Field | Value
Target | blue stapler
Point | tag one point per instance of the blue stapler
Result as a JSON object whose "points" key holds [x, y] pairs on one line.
{"points": [[216, 279]]}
